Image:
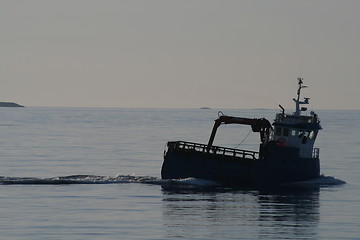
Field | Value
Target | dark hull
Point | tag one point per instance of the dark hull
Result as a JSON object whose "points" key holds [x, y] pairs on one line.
{"points": [[275, 165]]}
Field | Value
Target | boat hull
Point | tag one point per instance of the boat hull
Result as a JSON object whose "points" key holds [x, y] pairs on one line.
{"points": [[275, 165]]}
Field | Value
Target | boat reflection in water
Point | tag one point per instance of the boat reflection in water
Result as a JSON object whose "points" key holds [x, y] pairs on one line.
{"points": [[242, 214]]}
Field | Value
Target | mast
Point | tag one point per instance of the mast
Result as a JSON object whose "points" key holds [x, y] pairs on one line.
{"points": [[297, 101]]}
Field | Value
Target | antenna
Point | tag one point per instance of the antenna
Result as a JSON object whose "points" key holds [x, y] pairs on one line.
{"points": [[282, 109], [297, 101]]}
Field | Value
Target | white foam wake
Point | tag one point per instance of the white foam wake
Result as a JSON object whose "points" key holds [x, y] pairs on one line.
{"points": [[79, 179], [320, 181], [197, 182]]}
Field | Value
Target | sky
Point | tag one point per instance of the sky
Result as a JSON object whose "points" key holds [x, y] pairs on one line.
{"points": [[179, 54]]}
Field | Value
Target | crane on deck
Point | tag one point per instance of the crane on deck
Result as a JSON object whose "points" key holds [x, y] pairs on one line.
{"points": [[261, 125]]}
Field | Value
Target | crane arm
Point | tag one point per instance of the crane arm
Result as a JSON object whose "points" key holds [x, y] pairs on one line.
{"points": [[261, 125]]}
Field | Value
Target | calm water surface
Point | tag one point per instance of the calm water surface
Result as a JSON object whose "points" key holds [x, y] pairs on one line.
{"points": [[94, 173]]}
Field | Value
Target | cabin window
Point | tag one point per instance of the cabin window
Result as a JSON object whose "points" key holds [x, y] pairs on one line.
{"points": [[312, 135], [278, 131], [301, 133], [294, 133], [286, 132], [305, 136]]}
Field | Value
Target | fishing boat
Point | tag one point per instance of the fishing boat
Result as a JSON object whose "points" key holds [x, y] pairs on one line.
{"points": [[286, 152]]}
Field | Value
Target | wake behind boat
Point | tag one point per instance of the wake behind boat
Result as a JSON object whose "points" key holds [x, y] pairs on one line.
{"points": [[286, 152]]}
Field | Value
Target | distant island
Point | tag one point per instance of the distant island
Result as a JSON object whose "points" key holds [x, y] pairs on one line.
{"points": [[9, 104]]}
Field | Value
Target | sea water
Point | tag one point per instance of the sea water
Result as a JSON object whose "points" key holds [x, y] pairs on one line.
{"points": [[94, 173]]}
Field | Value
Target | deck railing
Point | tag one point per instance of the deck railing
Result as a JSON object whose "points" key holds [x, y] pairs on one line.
{"points": [[316, 153], [198, 147]]}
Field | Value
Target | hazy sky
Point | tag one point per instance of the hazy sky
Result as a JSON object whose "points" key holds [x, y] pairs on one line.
{"points": [[179, 54]]}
